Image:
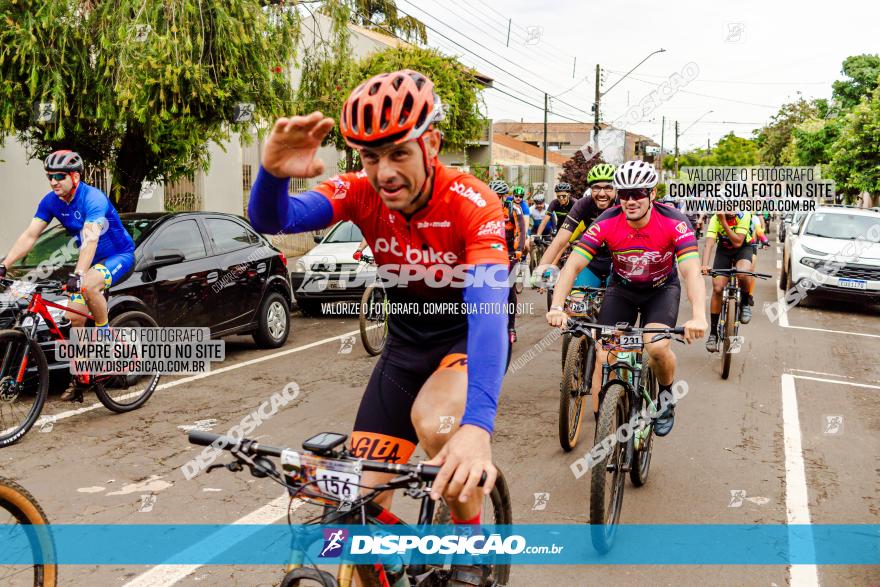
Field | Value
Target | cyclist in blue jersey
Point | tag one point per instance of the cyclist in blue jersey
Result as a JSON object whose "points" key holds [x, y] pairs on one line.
{"points": [[106, 251]]}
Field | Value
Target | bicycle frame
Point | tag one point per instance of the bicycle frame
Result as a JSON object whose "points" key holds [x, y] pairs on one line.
{"points": [[731, 291]]}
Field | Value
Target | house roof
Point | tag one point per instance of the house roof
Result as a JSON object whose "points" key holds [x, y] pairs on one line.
{"points": [[527, 149], [513, 127]]}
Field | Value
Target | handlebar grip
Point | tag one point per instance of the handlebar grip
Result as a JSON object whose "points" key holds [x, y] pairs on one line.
{"points": [[203, 438], [430, 471], [678, 330]]}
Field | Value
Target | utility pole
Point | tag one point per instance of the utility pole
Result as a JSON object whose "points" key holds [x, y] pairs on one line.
{"points": [[662, 136], [546, 108], [596, 112], [676, 149]]}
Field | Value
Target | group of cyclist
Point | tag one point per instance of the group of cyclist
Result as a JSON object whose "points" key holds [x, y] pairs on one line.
{"points": [[427, 215]]}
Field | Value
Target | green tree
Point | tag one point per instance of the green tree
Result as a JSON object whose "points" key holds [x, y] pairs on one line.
{"points": [[382, 16], [732, 150], [576, 170], [811, 142], [863, 72], [141, 86], [855, 164], [774, 137]]}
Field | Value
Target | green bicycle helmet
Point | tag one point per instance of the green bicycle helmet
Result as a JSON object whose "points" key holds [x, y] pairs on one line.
{"points": [[601, 172], [518, 191]]}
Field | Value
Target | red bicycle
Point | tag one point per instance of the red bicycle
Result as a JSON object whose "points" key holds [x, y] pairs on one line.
{"points": [[24, 370]]}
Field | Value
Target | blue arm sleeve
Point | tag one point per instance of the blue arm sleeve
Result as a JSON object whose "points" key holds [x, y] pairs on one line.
{"points": [[487, 346], [273, 211]]}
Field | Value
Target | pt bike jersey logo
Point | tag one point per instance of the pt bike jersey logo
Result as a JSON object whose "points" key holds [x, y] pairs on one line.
{"points": [[469, 193], [681, 227], [415, 256], [334, 543], [341, 187], [495, 227]]}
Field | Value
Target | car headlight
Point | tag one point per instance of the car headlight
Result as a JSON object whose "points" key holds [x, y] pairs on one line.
{"points": [[300, 266], [810, 251], [812, 262]]}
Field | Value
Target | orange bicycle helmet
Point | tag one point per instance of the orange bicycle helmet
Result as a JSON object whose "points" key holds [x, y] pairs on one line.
{"points": [[390, 108]]}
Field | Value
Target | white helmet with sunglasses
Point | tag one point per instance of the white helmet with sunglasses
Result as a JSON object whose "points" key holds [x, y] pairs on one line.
{"points": [[635, 175]]}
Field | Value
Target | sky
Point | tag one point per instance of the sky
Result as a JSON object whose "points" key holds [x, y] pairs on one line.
{"points": [[735, 63]]}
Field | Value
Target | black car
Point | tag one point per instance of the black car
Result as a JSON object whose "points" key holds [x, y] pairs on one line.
{"points": [[203, 269]]}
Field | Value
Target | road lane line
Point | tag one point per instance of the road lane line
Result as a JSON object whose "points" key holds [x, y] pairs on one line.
{"points": [[779, 263], [797, 499], [821, 373], [838, 382], [165, 575], [786, 325], [170, 384]]}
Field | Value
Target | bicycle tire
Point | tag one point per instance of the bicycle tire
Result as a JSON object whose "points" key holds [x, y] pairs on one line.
{"points": [[112, 402], [638, 474], [571, 396], [295, 578], [566, 342], [503, 515], [16, 500], [729, 331], [518, 282], [39, 382], [369, 299], [604, 516]]}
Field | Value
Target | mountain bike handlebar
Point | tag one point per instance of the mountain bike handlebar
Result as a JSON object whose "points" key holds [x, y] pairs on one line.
{"points": [[51, 286], [254, 448], [728, 272]]}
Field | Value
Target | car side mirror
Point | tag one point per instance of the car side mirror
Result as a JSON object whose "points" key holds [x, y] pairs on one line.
{"points": [[317, 238], [164, 257]]}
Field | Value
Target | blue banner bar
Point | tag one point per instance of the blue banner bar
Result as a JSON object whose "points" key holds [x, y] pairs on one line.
{"points": [[770, 544]]}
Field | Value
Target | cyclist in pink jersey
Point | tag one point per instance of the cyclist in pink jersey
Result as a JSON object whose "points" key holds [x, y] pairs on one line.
{"points": [[649, 244]]}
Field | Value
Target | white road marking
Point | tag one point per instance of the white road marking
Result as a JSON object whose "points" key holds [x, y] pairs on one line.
{"points": [[821, 373], [153, 484], [837, 382], [848, 333], [248, 363], [779, 263], [166, 575], [797, 499]]}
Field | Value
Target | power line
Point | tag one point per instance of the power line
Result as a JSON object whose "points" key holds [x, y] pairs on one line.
{"points": [[484, 59], [650, 83], [715, 81]]}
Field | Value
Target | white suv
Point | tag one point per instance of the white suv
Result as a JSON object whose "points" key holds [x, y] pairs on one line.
{"points": [[836, 253]]}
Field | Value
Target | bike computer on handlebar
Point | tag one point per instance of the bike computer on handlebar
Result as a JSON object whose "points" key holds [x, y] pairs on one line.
{"points": [[324, 442]]}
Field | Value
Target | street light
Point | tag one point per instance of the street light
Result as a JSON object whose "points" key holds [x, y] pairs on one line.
{"points": [[696, 121], [600, 93]]}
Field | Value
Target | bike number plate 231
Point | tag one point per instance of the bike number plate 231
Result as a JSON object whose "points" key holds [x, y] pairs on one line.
{"points": [[338, 484], [631, 341]]}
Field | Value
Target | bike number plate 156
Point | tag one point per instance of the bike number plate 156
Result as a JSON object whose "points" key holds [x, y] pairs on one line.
{"points": [[338, 483], [631, 341]]}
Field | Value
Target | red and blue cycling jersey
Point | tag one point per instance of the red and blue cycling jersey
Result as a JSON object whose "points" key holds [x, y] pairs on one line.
{"points": [[643, 257], [460, 229]]}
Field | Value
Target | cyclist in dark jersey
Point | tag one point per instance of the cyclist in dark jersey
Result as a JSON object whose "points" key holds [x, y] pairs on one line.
{"points": [[582, 215], [649, 244], [558, 208], [438, 235], [515, 237]]}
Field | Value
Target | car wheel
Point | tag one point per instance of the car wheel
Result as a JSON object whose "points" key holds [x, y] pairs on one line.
{"points": [[783, 279], [273, 322]]}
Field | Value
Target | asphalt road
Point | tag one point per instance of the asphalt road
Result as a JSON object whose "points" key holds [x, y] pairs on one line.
{"points": [[791, 436]]}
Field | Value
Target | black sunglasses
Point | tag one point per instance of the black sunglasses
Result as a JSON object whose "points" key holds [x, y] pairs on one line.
{"points": [[60, 176], [633, 194]]}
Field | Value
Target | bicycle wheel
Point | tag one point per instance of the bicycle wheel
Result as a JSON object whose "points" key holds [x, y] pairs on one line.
{"points": [[373, 319], [124, 393], [729, 332], [20, 403], [518, 283], [638, 474], [607, 476], [576, 378], [308, 576], [18, 507], [497, 503]]}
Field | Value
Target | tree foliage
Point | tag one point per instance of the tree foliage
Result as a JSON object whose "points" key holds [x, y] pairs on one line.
{"points": [[863, 72], [774, 137], [141, 86], [730, 151], [383, 16], [576, 170], [855, 164]]}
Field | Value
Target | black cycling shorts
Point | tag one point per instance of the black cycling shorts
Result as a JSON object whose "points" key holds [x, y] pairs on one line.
{"points": [[727, 258], [383, 428], [655, 306]]}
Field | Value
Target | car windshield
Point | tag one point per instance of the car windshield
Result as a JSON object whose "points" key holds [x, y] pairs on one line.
{"points": [[345, 232], [58, 245], [844, 226]]}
